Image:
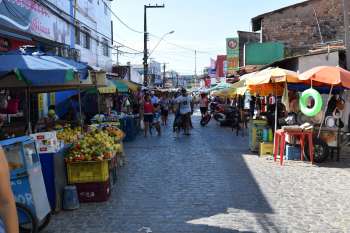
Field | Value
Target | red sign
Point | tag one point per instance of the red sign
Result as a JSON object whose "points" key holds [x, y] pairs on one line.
{"points": [[220, 66]]}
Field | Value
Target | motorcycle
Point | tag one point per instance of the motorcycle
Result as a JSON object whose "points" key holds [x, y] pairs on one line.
{"points": [[225, 115]]}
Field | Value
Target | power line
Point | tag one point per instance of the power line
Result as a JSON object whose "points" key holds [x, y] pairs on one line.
{"points": [[121, 21], [151, 34]]}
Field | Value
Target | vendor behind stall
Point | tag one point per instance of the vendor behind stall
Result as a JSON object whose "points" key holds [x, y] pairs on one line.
{"points": [[48, 123]]}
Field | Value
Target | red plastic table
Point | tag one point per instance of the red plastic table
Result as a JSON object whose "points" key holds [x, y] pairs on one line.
{"points": [[280, 141]]}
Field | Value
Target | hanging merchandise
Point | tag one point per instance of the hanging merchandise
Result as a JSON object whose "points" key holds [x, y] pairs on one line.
{"points": [[304, 100], [272, 100], [337, 113], [285, 98], [330, 122]]}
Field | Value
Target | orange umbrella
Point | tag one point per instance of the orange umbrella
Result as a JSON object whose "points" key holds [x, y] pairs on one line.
{"points": [[332, 75]]}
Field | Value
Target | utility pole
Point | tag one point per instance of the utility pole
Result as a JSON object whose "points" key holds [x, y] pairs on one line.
{"points": [[164, 78], [145, 40], [195, 65], [346, 8]]}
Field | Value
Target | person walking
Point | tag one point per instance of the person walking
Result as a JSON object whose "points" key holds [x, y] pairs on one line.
{"points": [[156, 118], [148, 111], [164, 107], [8, 212], [185, 105], [203, 104]]}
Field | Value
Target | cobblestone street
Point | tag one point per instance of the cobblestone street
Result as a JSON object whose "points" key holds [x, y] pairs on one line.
{"points": [[208, 182]]}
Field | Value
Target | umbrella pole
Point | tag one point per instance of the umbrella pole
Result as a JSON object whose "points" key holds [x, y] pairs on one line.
{"points": [[28, 111], [80, 111], [276, 110], [324, 114]]}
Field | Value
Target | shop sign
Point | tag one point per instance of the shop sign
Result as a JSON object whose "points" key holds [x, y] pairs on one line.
{"points": [[4, 44], [32, 17], [232, 65], [232, 47], [232, 51]]}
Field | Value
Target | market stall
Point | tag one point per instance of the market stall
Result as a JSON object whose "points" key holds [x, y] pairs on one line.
{"points": [[119, 103], [299, 131], [31, 77]]}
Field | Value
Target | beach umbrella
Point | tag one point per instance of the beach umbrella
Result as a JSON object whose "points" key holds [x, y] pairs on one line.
{"points": [[331, 75]]}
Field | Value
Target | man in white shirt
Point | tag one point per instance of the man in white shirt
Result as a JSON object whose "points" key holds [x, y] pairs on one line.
{"points": [[185, 108]]}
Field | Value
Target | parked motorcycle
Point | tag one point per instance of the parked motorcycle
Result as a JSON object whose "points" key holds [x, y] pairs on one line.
{"points": [[224, 114]]}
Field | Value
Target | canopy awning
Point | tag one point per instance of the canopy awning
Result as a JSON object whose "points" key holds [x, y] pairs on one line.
{"points": [[39, 71], [273, 75], [330, 75], [121, 86], [132, 86]]}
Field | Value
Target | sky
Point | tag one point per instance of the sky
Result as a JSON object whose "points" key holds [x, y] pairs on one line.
{"points": [[200, 25]]}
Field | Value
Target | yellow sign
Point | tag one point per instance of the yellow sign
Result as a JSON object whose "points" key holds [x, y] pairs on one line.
{"points": [[41, 103]]}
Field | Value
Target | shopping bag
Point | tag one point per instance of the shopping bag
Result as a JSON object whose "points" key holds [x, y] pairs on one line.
{"points": [[142, 124]]}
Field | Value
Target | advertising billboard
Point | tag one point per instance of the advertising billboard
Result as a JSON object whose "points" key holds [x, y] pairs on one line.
{"points": [[232, 51], [31, 17]]}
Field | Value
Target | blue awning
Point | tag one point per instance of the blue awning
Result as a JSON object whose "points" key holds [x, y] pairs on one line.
{"points": [[41, 70]]}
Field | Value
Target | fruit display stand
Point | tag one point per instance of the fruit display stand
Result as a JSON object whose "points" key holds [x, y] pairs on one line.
{"points": [[92, 163]]}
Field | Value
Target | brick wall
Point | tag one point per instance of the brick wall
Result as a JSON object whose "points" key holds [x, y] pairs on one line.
{"points": [[297, 26]]}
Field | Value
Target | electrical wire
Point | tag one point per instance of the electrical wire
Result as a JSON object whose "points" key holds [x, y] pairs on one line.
{"points": [[151, 34], [121, 21]]}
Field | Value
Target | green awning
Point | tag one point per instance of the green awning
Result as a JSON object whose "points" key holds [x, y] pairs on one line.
{"points": [[121, 86]]}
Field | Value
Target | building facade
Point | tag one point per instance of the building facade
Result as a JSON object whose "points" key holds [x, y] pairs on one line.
{"points": [[78, 29], [303, 25], [93, 32]]}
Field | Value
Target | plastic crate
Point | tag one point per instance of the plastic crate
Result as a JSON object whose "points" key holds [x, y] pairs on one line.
{"points": [[292, 152], [266, 149], [94, 192], [87, 172]]}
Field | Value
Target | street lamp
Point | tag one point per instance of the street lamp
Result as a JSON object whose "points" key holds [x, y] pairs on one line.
{"points": [[160, 40]]}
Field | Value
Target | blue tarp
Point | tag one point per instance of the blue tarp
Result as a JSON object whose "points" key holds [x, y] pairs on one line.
{"points": [[322, 90], [41, 70]]}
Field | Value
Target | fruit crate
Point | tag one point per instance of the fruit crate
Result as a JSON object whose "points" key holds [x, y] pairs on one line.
{"points": [[87, 172], [94, 192]]}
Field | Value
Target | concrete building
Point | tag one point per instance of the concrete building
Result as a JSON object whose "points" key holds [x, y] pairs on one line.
{"points": [[302, 26], [78, 29], [93, 32]]}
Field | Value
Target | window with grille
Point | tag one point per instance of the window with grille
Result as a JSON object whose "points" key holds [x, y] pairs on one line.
{"points": [[105, 47]]}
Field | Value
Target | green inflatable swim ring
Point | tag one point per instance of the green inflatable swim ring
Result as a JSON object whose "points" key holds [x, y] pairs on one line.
{"points": [[303, 101]]}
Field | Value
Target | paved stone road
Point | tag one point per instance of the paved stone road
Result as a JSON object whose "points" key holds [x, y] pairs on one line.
{"points": [[208, 182]]}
